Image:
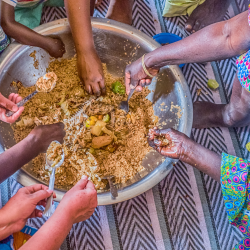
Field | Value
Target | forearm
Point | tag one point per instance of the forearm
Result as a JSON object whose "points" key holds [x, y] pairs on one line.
{"points": [[19, 32], [54, 231], [218, 41], [5, 225], [14, 158], [204, 160], [78, 12]]}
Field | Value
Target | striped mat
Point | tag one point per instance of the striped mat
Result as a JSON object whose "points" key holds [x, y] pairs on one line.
{"points": [[185, 210]]}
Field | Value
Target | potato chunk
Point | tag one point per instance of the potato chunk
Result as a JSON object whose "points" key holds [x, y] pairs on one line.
{"points": [[101, 141]]}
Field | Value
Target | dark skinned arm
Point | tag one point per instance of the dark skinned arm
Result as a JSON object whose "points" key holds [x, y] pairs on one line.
{"points": [[35, 143], [215, 42], [183, 148], [88, 62], [24, 35]]}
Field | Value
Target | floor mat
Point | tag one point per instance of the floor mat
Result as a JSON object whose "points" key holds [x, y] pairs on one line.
{"points": [[186, 209]]}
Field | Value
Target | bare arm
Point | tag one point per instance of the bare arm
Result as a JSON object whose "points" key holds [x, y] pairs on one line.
{"points": [[27, 36], [36, 142], [217, 41], [182, 148], [89, 65]]}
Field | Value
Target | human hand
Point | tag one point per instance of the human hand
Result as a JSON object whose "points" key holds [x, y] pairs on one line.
{"points": [[177, 147], [23, 206], [45, 134], [10, 104], [80, 201], [135, 76], [55, 47], [90, 71]]}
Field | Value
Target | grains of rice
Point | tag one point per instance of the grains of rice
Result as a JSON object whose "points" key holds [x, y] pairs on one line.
{"points": [[62, 103]]}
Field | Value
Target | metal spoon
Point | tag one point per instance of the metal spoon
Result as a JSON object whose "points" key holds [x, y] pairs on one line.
{"points": [[21, 103], [113, 189], [49, 209], [124, 104]]}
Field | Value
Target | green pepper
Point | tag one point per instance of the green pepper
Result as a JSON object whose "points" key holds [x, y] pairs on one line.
{"points": [[106, 118], [92, 151], [118, 88], [212, 84]]}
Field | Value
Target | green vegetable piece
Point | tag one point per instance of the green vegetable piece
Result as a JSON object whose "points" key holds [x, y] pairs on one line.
{"points": [[212, 84], [118, 88], [248, 146], [106, 118]]}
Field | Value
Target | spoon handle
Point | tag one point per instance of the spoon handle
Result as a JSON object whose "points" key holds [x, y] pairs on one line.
{"points": [[21, 103], [131, 93], [113, 189], [48, 211]]}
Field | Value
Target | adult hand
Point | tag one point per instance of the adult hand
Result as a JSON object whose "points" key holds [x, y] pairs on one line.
{"points": [[91, 72], [10, 104], [23, 205], [135, 76], [55, 47], [178, 142], [80, 201], [45, 134]]}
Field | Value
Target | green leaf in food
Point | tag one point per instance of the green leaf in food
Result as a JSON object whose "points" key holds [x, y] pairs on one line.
{"points": [[106, 118], [212, 84], [118, 88]]}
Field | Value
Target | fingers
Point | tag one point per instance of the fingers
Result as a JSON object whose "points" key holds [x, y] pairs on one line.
{"points": [[15, 98], [37, 187], [90, 185], [127, 82], [12, 118], [190, 24], [8, 104], [41, 195], [82, 183], [102, 86], [36, 213]]}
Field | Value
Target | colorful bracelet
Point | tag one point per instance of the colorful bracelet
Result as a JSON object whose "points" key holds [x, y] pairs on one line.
{"points": [[144, 67]]}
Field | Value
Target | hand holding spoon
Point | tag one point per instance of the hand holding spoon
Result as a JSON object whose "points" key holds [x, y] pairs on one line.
{"points": [[44, 84]]}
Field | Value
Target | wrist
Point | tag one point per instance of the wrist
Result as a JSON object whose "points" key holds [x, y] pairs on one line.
{"points": [[150, 62], [84, 51], [35, 141], [64, 212], [6, 225]]}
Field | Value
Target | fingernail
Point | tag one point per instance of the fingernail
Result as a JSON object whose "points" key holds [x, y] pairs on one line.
{"points": [[40, 214], [50, 191], [84, 177], [15, 108]]}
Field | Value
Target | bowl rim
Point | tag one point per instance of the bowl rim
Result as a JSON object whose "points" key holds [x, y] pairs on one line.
{"points": [[154, 177]]}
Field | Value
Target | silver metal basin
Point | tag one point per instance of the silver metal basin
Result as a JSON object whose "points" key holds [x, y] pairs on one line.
{"points": [[116, 45]]}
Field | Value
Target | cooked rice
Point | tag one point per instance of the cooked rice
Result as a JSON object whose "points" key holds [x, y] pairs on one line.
{"points": [[128, 131]]}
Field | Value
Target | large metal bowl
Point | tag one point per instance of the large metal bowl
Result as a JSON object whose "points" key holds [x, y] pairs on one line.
{"points": [[116, 45]]}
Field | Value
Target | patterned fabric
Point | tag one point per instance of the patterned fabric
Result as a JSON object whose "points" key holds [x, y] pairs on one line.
{"points": [[235, 183], [243, 64], [24, 3], [4, 40]]}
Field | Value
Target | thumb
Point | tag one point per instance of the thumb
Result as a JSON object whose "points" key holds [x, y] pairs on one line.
{"points": [[41, 195], [5, 102], [82, 183]]}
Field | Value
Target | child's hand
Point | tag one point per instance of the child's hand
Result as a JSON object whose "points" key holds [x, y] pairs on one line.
{"points": [[55, 47], [90, 71], [80, 201], [178, 142], [45, 134], [10, 104], [23, 206]]}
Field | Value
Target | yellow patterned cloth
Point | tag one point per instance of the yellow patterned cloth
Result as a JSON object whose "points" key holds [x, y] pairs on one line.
{"points": [[235, 185], [180, 7]]}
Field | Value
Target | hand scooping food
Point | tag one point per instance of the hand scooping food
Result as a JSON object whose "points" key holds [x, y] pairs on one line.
{"points": [[44, 84]]}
